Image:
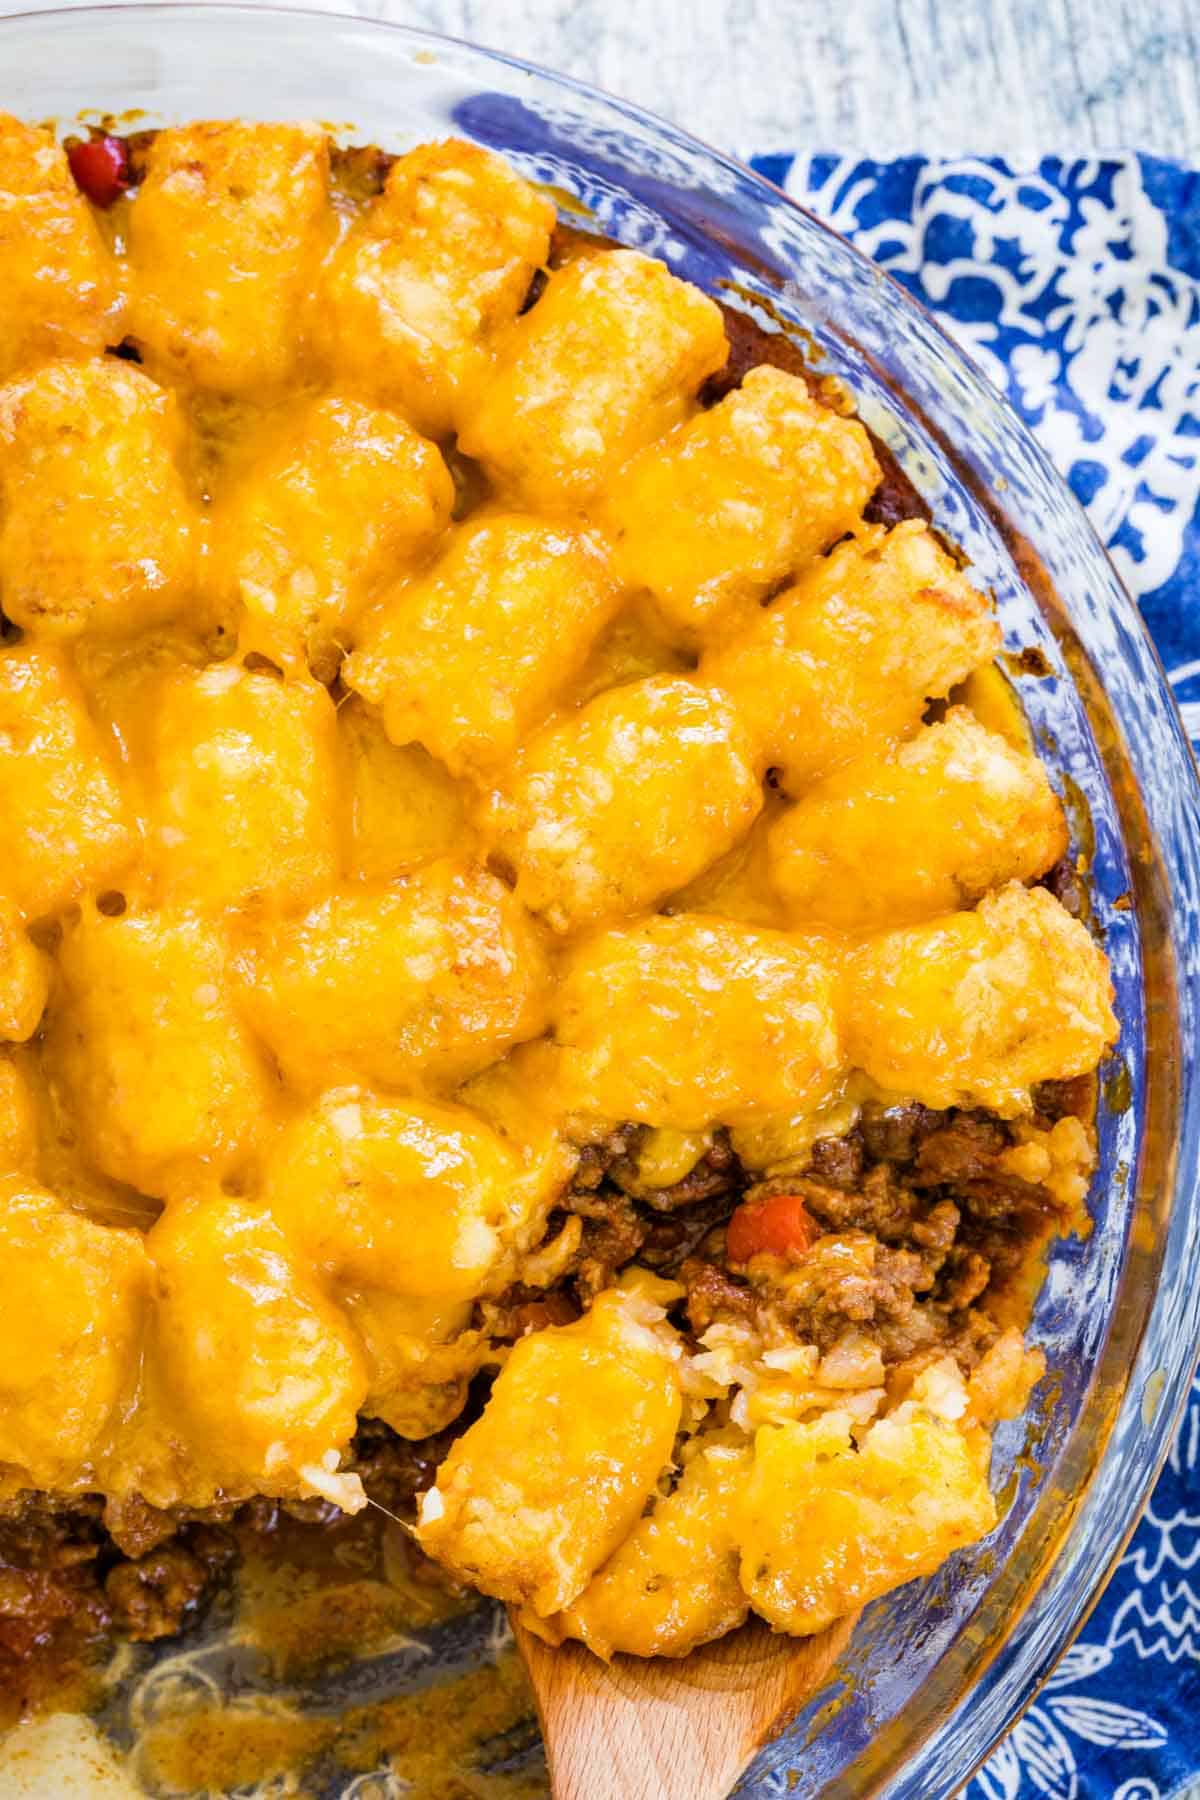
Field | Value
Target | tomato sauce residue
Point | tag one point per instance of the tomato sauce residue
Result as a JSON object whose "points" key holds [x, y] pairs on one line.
{"points": [[100, 165]]}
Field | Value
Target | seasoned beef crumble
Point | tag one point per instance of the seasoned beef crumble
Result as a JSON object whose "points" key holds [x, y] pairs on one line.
{"points": [[78, 1573], [950, 1228]]}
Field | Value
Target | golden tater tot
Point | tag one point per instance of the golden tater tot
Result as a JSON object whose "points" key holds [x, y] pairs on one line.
{"points": [[930, 827], [24, 977], [825, 1527], [615, 806], [974, 1008], [1007, 1373], [673, 1584], [225, 239], [536, 1495], [421, 982], [766, 479], [606, 362], [243, 787], [18, 1117], [67, 828], [693, 1021], [59, 296], [155, 1066], [407, 1196], [338, 497], [422, 281], [403, 807], [72, 1298], [264, 1373], [469, 656], [99, 529], [847, 658]]}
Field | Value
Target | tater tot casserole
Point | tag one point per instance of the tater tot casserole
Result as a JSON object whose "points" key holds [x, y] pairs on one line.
{"points": [[543, 981]]}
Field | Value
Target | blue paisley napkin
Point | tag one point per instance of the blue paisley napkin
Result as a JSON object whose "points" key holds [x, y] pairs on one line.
{"points": [[1076, 285]]}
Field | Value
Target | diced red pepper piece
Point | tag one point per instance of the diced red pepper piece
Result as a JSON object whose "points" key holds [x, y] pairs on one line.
{"points": [[101, 168], [780, 1224]]}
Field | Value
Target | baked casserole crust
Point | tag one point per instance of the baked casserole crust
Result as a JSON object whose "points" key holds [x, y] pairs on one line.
{"points": [[530, 919]]}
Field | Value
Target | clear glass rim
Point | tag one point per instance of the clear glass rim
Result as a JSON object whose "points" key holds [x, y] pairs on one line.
{"points": [[1160, 1357]]}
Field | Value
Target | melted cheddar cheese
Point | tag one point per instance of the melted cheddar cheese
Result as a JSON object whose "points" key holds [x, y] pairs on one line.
{"points": [[435, 743]]}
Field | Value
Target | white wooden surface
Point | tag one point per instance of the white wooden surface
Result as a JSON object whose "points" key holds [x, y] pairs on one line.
{"points": [[883, 76]]}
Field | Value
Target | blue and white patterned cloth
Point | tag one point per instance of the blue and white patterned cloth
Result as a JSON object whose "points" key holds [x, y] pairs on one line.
{"points": [[1076, 285]]}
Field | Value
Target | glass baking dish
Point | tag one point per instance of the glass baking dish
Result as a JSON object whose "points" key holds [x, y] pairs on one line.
{"points": [[936, 1674]]}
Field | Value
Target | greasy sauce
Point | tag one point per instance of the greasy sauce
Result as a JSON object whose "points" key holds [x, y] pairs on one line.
{"points": [[437, 1739], [320, 1604]]}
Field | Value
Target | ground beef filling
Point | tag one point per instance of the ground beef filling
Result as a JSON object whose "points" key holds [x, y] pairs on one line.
{"points": [[950, 1233]]}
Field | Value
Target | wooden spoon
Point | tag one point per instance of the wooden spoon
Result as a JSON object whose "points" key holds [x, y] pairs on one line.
{"points": [[662, 1730]]}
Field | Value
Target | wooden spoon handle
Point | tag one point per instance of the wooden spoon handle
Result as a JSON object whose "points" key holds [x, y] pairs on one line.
{"points": [[661, 1730]]}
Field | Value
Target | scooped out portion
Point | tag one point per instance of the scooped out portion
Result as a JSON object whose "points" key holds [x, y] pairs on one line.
{"points": [[802, 1519]]}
